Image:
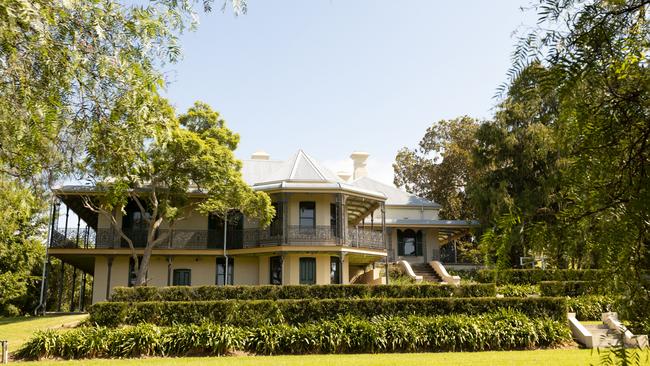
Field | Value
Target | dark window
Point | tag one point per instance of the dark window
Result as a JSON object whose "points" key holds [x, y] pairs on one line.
{"points": [[215, 231], [307, 271], [135, 225], [275, 266], [334, 219], [277, 222], [409, 243], [234, 235], [182, 277], [221, 270], [132, 273], [335, 270], [307, 215]]}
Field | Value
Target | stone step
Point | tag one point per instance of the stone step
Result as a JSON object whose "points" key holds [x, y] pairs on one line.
{"points": [[596, 326], [424, 269], [606, 342]]}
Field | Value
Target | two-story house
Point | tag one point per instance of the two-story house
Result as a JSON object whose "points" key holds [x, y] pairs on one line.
{"points": [[328, 229]]}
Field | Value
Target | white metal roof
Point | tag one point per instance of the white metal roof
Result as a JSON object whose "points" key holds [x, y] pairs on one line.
{"points": [[302, 172], [299, 168], [394, 196]]}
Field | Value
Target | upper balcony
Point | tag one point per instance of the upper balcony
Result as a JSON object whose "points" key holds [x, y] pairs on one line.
{"points": [[212, 239]]}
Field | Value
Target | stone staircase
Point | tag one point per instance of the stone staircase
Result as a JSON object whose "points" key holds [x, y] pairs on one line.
{"points": [[427, 273], [607, 334], [603, 337]]}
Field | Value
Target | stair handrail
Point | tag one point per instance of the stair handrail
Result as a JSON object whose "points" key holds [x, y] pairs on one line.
{"points": [[443, 274], [610, 319], [408, 270]]}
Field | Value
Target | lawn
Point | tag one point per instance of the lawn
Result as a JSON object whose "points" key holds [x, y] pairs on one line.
{"points": [[559, 357], [18, 330]]}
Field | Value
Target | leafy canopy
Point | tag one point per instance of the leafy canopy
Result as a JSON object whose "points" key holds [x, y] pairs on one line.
{"points": [[440, 168], [163, 166]]}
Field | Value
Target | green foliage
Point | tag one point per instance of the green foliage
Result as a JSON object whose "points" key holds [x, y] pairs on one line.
{"points": [[398, 277], [518, 290], [591, 307], [576, 114], [81, 79], [620, 355], [504, 330], [439, 169], [570, 288], [21, 252], [271, 292], [256, 312], [157, 168], [535, 276], [73, 68]]}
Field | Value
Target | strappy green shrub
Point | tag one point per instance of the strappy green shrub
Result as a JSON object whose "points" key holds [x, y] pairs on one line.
{"points": [[500, 330]]}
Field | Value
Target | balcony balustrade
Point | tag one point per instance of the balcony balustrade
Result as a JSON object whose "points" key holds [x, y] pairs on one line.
{"points": [[213, 239]]}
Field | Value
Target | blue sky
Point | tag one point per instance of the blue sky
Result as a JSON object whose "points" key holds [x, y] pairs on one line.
{"points": [[334, 76]]}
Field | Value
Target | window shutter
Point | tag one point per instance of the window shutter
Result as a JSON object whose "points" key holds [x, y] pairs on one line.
{"points": [[400, 242], [418, 243]]}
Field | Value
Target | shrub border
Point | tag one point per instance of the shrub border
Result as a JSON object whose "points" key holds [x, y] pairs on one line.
{"points": [[256, 312]]}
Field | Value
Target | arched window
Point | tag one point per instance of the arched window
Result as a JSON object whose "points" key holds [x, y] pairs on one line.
{"points": [[409, 243]]}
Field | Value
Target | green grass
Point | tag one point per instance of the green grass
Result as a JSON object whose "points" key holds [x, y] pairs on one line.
{"points": [[18, 330], [559, 357]]}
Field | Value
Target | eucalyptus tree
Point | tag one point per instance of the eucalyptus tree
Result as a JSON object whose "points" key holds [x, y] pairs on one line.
{"points": [[517, 173], [66, 65], [161, 168], [439, 169], [71, 68], [596, 54]]}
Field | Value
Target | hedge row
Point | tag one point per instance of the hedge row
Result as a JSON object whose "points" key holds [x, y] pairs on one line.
{"points": [[270, 292], [256, 312], [569, 288], [590, 307], [504, 330], [518, 290], [535, 276]]}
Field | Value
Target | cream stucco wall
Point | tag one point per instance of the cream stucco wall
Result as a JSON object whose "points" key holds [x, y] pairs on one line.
{"points": [[290, 274], [264, 270], [402, 213], [204, 269], [99, 279], [249, 270], [157, 273], [323, 202], [119, 276], [246, 271]]}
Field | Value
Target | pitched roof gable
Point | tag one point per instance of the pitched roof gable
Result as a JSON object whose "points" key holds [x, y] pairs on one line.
{"points": [[299, 168]]}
